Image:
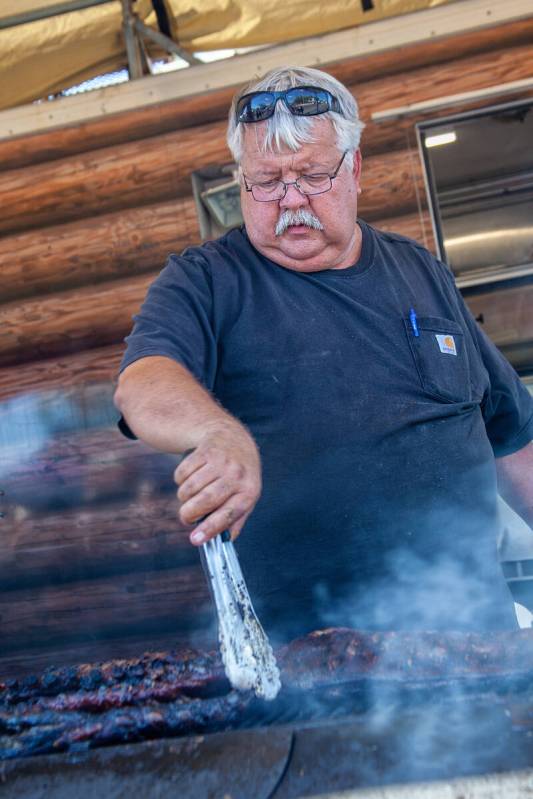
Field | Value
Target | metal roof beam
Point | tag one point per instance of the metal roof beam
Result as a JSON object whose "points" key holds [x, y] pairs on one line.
{"points": [[49, 11]]}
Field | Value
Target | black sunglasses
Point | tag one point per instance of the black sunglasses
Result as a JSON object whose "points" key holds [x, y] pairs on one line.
{"points": [[302, 101]]}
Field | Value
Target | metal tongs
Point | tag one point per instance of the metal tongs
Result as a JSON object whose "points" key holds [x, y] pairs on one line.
{"points": [[248, 658]]}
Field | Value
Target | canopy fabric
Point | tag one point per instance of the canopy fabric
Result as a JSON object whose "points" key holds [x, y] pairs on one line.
{"points": [[9, 9], [45, 56], [217, 24]]}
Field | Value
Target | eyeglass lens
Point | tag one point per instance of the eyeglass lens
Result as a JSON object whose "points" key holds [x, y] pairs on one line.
{"points": [[301, 101], [306, 103], [258, 107]]}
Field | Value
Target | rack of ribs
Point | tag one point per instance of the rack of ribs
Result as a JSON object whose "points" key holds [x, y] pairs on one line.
{"points": [[29, 730], [176, 693], [117, 682], [340, 655]]}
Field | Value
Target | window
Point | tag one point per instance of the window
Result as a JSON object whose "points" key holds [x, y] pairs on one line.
{"points": [[479, 174]]}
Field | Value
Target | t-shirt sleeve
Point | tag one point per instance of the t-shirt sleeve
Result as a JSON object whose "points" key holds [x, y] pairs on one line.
{"points": [[176, 319], [507, 405]]}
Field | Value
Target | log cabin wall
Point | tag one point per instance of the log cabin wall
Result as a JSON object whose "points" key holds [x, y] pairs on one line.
{"points": [[92, 561]]}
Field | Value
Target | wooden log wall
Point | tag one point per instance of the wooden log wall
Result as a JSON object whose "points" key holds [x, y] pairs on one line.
{"points": [[90, 546]]}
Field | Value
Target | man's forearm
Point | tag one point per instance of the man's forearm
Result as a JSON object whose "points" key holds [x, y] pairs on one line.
{"points": [[220, 482], [165, 406], [515, 481]]}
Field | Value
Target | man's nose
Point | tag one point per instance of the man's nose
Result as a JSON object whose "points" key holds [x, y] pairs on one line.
{"points": [[293, 198]]}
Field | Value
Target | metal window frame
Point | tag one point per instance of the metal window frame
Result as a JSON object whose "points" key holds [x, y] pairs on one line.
{"points": [[502, 277]]}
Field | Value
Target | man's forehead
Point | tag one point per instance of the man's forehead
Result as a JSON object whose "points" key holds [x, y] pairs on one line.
{"points": [[322, 147]]}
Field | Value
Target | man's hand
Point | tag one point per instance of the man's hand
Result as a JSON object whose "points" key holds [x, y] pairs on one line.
{"points": [[219, 483]]}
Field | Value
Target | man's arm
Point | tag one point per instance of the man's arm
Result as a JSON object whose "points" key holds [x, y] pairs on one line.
{"points": [[515, 481], [169, 410]]}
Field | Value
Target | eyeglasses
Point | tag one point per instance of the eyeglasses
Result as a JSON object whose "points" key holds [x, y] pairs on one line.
{"points": [[302, 101], [272, 190]]}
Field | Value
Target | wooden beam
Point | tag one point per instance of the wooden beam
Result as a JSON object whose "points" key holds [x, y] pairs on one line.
{"points": [[89, 367], [95, 316], [415, 226], [119, 245], [127, 644], [71, 321], [158, 169], [78, 469], [136, 60], [100, 365], [392, 185], [76, 320], [316, 51], [122, 244], [147, 520], [455, 102], [149, 602], [93, 541], [174, 114], [164, 42], [140, 172], [432, 82], [114, 129]]}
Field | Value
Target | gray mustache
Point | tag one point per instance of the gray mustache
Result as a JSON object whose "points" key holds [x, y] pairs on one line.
{"points": [[299, 217]]}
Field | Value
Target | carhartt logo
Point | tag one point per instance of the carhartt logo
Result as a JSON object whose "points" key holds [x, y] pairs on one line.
{"points": [[446, 343]]}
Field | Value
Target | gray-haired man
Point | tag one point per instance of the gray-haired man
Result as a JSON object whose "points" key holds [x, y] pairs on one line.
{"points": [[341, 362]]}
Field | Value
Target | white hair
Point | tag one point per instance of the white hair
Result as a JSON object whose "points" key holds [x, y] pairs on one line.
{"points": [[283, 128]]}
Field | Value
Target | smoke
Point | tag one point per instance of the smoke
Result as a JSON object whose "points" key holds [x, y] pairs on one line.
{"points": [[415, 594], [299, 217], [440, 571], [419, 727], [452, 733]]}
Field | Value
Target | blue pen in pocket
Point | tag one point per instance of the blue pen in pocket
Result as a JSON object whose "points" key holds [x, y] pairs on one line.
{"points": [[414, 323]]}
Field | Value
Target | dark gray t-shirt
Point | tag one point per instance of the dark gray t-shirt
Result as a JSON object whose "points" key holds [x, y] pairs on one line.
{"points": [[379, 506]]}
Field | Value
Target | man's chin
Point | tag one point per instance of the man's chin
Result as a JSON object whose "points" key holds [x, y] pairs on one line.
{"points": [[300, 248], [294, 250]]}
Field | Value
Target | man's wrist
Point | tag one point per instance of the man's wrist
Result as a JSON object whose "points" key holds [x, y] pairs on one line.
{"points": [[226, 426], [222, 426]]}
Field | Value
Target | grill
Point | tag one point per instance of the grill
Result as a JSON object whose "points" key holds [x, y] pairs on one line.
{"points": [[420, 744], [91, 548], [318, 738]]}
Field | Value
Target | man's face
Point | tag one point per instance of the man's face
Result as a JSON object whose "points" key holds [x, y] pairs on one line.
{"points": [[299, 247]]}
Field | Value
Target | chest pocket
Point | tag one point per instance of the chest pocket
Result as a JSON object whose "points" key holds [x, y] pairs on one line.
{"points": [[440, 358]]}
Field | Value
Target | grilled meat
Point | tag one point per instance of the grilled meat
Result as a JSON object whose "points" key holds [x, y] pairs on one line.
{"points": [[29, 731], [177, 693], [341, 655], [164, 674], [116, 702]]}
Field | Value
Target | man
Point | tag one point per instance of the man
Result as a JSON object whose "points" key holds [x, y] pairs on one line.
{"points": [[343, 363]]}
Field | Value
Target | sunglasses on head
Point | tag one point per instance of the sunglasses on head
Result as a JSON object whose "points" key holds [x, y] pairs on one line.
{"points": [[302, 101]]}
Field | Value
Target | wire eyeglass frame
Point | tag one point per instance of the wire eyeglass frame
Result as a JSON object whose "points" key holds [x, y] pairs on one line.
{"points": [[281, 183]]}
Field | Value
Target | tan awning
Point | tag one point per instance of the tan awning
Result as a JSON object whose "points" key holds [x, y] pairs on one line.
{"points": [[45, 56], [217, 24]]}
